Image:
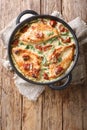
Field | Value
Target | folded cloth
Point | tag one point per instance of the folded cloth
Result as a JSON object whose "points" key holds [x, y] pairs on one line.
{"points": [[32, 91]]}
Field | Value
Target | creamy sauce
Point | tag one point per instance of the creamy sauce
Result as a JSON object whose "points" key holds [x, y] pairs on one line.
{"points": [[55, 37]]}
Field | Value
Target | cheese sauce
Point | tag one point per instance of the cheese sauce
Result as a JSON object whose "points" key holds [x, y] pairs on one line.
{"points": [[43, 50]]}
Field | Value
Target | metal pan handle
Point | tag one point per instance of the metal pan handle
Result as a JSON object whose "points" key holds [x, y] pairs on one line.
{"points": [[23, 13], [60, 87]]}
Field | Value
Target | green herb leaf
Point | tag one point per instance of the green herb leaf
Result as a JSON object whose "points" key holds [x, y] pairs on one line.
{"points": [[71, 37], [59, 43], [53, 39], [50, 33], [44, 60], [59, 59], [53, 48], [29, 47], [64, 33], [21, 43], [44, 69], [39, 52]]}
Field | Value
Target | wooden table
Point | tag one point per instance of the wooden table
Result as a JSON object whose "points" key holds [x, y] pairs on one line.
{"points": [[54, 110]]}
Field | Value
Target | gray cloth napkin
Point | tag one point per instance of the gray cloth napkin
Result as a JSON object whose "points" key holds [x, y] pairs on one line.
{"points": [[32, 91]]}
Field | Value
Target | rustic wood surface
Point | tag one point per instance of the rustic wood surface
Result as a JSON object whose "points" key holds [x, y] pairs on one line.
{"points": [[54, 110]]}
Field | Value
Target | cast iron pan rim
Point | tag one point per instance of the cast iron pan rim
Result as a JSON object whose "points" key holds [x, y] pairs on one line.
{"points": [[31, 19]]}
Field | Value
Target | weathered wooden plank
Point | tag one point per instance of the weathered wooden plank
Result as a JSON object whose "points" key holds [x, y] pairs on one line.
{"points": [[49, 112], [31, 118], [52, 100], [0, 86], [31, 111], [74, 105], [38, 115], [84, 96], [30, 4], [0, 71], [52, 110], [11, 99], [84, 106], [48, 6], [74, 8], [72, 108], [11, 105]]}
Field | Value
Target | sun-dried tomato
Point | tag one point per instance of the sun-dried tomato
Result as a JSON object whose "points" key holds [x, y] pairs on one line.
{"points": [[24, 29], [62, 28], [53, 23], [38, 47], [25, 57], [33, 27], [35, 73], [46, 47], [26, 66], [39, 35], [15, 42], [67, 40], [58, 69], [46, 76]]}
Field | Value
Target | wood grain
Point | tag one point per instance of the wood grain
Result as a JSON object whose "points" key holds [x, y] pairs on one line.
{"points": [[30, 4], [0, 86], [74, 8], [48, 6], [32, 114], [84, 95], [1, 26], [52, 100], [72, 108], [73, 101], [10, 99], [54, 110], [11, 105], [31, 111]]}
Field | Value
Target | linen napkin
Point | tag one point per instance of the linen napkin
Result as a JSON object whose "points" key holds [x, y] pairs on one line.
{"points": [[32, 91]]}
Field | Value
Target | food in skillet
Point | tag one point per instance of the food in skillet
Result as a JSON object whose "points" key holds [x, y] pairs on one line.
{"points": [[43, 50]]}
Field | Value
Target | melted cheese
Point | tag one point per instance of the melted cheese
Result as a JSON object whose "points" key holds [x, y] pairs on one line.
{"points": [[39, 32], [40, 54], [67, 56], [34, 60]]}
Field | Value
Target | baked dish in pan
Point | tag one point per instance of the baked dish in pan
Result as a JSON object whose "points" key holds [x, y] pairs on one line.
{"points": [[43, 49]]}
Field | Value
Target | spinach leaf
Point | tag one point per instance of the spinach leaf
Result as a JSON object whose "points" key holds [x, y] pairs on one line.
{"points": [[44, 69], [72, 37], [59, 43], [50, 33], [44, 61], [59, 59], [53, 39], [53, 48], [21, 43], [29, 47], [65, 33], [39, 52]]}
